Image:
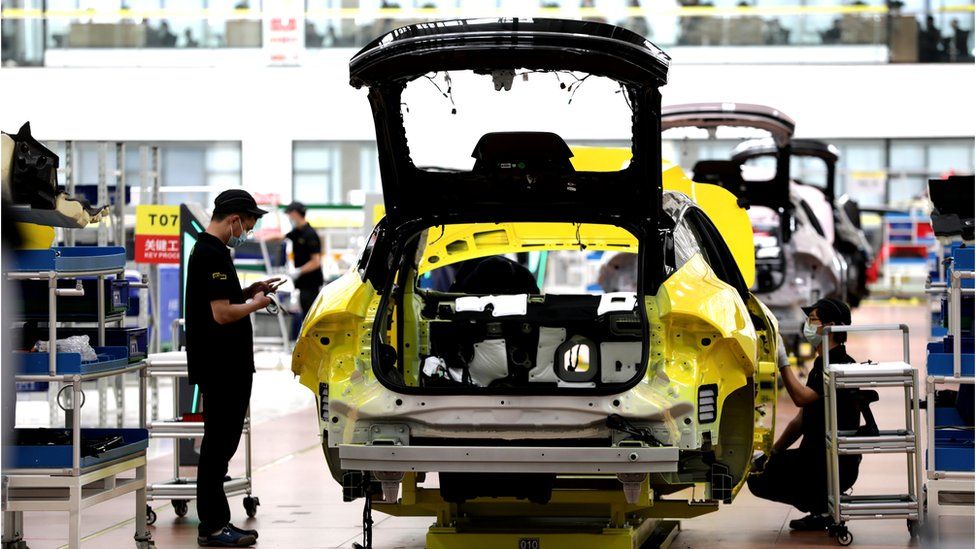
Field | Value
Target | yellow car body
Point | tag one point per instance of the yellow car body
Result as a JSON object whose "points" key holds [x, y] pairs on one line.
{"points": [[524, 401], [692, 305]]}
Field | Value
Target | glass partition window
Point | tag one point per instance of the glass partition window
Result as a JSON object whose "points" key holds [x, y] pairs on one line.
{"points": [[876, 172], [334, 172], [30, 27], [190, 171], [915, 31]]}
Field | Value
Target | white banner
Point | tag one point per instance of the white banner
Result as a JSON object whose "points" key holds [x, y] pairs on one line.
{"points": [[284, 31]]}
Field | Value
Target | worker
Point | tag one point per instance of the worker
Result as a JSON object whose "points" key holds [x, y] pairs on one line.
{"points": [[220, 356], [307, 249], [798, 476]]}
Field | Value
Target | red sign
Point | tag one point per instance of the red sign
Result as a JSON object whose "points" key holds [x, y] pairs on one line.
{"points": [[157, 248]]}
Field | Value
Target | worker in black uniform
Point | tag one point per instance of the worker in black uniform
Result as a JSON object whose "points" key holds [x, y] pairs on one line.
{"points": [[220, 356], [798, 476], [307, 249]]}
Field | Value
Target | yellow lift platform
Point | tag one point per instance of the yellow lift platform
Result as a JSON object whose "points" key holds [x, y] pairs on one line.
{"points": [[584, 512]]}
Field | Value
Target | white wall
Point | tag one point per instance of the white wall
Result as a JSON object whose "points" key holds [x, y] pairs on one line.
{"points": [[267, 108]]}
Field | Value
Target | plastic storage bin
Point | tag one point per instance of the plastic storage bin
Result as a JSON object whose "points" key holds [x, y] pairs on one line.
{"points": [[77, 259], [135, 339], [58, 456], [81, 308], [939, 361], [109, 358], [954, 450]]}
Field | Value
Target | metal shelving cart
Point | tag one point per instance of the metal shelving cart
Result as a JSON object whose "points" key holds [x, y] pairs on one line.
{"points": [[843, 508], [939, 481], [59, 477], [180, 490]]}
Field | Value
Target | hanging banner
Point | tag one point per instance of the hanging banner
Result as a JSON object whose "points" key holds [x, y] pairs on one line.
{"points": [[284, 31], [157, 234]]}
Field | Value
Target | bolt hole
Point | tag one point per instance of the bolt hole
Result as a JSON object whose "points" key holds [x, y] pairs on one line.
{"points": [[590, 404], [324, 341], [687, 421], [706, 342], [399, 402], [616, 403], [423, 404], [335, 419]]}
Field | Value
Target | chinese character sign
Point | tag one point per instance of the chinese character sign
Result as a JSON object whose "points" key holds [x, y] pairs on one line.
{"points": [[157, 234]]}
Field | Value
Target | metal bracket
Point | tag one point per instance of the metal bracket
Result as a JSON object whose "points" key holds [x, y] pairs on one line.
{"points": [[389, 434], [390, 483], [632, 485]]}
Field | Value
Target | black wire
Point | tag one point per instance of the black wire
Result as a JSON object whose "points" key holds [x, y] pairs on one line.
{"points": [[579, 241], [367, 514], [576, 86], [448, 94], [617, 422]]}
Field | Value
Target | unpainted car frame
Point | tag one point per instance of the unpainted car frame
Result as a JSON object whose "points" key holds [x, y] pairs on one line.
{"points": [[699, 401]]}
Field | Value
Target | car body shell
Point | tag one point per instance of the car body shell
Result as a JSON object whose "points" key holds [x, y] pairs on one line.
{"points": [[701, 327]]}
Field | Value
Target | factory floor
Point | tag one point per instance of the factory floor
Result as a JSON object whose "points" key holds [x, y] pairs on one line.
{"points": [[301, 506]]}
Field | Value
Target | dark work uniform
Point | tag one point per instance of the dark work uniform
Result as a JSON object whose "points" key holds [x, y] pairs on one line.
{"points": [[220, 359], [305, 243], [798, 477]]}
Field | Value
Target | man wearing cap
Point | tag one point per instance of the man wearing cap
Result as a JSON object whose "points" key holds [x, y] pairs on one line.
{"points": [[220, 356], [798, 476], [307, 249]]}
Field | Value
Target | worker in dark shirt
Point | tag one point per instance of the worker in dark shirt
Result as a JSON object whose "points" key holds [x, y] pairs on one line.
{"points": [[307, 249], [798, 476], [220, 356]]}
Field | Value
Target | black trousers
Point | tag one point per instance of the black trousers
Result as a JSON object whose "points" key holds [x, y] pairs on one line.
{"points": [[306, 297], [224, 407], [799, 478]]}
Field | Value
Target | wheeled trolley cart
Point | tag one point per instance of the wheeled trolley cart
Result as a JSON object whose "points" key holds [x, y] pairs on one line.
{"points": [[950, 480], [73, 468], [180, 490], [844, 508]]}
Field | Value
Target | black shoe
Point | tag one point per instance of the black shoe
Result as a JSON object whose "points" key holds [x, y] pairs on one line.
{"points": [[811, 523], [243, 531], [226, 538]]}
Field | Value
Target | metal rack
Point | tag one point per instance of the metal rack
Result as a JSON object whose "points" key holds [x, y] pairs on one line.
{"points": [[905, 276], [73, 489], [939, 482], [179, 489], [843, 508]]}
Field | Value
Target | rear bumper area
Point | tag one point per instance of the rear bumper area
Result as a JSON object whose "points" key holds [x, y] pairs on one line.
{"points": [[500, 459]]}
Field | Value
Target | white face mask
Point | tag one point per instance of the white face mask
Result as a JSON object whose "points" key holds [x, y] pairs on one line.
{"points": [[236, 241], [810, 333]]}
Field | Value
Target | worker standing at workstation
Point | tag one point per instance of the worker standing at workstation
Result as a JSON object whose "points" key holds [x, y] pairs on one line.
{"points": [[220, 356], [798, 477], [307, 250]]}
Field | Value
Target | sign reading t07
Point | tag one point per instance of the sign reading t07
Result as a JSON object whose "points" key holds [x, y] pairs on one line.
{"points": [[157, 234]]}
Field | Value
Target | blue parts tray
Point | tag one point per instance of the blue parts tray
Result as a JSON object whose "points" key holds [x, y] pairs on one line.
{"points": [[954, 450], [109, 358], [939, 361], [75, 259], [58, 456], [74, 308]]}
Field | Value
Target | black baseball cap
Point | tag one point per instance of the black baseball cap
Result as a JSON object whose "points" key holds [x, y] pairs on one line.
{"points": [[830, 310], [237, 201], [296, 207]]}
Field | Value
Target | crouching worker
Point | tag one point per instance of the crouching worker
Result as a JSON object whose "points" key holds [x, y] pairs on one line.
{"points": [[798, 477]]}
